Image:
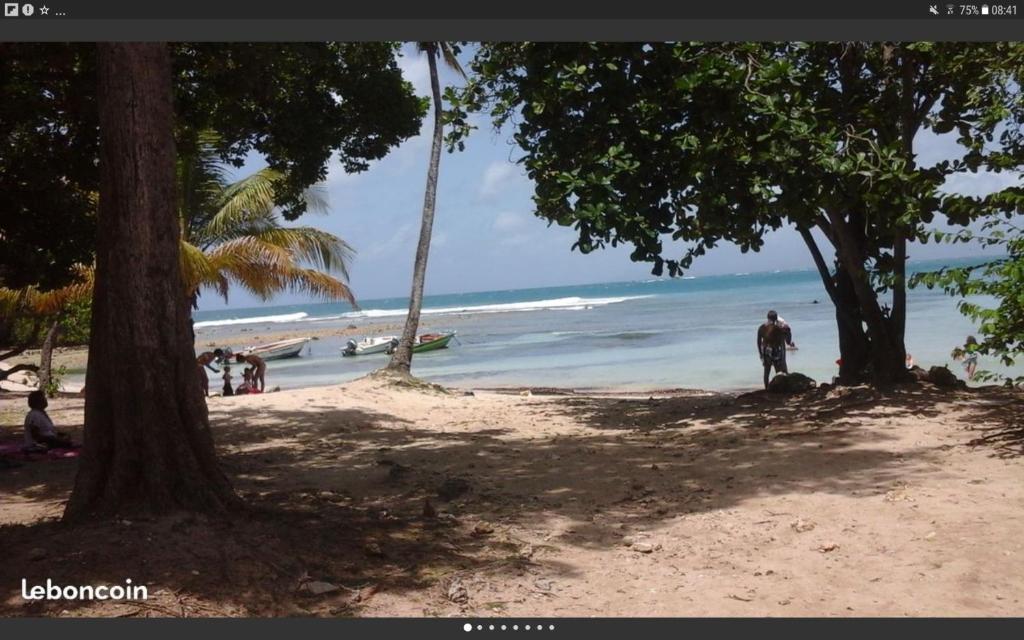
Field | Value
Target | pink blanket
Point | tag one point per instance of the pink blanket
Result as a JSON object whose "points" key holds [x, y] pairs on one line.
{"points": [[12, 450]]}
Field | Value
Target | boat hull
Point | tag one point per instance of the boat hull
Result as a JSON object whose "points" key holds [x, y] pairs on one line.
{"points": [[277, 351], [434, 345], [365, 348]]}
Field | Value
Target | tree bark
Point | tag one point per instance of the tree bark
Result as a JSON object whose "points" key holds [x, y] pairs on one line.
{"points": [[854, 346], [888, 355], [46, 356], [147, 440], [401, 359]]}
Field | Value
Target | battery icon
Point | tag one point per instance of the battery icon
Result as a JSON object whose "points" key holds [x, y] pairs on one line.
{"points": [[984, 9]]}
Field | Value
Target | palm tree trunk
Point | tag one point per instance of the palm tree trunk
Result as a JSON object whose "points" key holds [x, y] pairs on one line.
{"points": [[46, 356], [401, 360], [147, 441]]}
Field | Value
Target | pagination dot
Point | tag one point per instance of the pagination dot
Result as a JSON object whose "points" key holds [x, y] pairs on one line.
{"points": [[467, 627]]}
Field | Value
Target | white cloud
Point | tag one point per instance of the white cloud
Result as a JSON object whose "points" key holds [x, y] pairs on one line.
{"points": [[398, 243], [498, 177], [509, 221], [415, 69]]}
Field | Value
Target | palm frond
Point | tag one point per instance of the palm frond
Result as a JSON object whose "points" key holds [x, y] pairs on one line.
{"points": [[198, 270], [305, 244]]}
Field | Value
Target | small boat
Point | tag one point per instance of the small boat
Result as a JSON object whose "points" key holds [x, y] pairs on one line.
{"points": [[367, 346], [433, 341], [277, 350]]}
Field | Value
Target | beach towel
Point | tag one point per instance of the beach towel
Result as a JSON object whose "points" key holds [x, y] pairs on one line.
{"points": [[13, 451]]}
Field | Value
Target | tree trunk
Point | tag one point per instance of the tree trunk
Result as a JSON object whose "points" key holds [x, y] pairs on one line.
{"points": [[401, 360], [888, 359], [46, 357], [854, 346], [147, 441]]}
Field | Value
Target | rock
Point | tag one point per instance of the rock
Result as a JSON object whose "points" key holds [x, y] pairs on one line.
{"points": [[791, 383], [802, 526], [318, 588], [452, 488], [456, 592], [543, 585], [483, 528], [828, 546], [351, 326], [372, 549], [526, 393], [930, 536], [643, 547], [918, 373], [37, 554], [428, 509], [942, 377]]}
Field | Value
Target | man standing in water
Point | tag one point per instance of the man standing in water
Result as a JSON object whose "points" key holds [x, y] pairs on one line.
{"points": [[259, 368], [772, 338]]}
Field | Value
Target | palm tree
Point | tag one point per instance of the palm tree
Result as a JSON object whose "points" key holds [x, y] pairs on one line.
{"points": [[401, 359], [232, 234], [40, 309]]}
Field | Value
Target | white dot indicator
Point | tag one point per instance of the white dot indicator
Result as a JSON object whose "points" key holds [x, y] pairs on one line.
{"points": [[551, 627], [515, 627], [490, 628], [503, 627], [467, 627], [527, 627], [479, 627]]}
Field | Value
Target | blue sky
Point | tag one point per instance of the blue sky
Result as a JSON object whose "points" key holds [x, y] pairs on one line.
{"points": [[485, 236]]}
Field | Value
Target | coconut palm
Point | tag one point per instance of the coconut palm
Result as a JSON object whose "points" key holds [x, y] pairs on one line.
{"points": [[401, 359], [232, 235]]}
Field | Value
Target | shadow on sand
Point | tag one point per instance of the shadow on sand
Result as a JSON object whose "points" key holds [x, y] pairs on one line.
{"points": [[338, 495]]}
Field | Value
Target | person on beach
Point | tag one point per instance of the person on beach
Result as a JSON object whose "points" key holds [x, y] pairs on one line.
{"points": [[228, 389], [204, 360], [970, 358], [259, 369], [247, 385], [40, 434], [773, 336]]}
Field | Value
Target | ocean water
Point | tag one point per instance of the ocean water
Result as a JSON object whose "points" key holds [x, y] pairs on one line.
{"points": [[653, 334]]}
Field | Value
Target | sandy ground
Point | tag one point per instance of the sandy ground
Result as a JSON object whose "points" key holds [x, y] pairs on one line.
{"points": [[841, 503]]}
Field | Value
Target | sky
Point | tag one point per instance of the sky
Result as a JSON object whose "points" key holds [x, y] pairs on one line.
{"points": [[485, 235]]}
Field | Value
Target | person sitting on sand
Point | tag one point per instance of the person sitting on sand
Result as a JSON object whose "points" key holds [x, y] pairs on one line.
{"points": [[259, 369], [228, 389], [203, 360], [247, 386], [40, 434], [772, 338]]}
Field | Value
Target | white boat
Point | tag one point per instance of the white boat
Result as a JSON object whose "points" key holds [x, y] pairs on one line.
{"points": [[367, 346], [277, 350]]}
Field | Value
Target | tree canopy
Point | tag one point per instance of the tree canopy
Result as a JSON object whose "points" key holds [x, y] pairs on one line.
{"points": [[297, 104]]}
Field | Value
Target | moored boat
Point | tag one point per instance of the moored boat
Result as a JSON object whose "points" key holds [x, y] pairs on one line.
{"points": [[433, 341], [368, 346], [277, 350]]}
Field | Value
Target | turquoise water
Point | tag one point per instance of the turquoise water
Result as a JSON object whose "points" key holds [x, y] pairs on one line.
{"points": [[659, 333]]}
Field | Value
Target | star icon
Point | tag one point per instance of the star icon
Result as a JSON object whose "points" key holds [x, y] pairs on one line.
{"points": [[44, 10]]}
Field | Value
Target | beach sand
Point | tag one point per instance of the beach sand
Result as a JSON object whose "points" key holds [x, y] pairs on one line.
{"points": [[838, 503]]}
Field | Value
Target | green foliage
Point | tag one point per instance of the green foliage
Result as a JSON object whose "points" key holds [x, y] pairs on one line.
{"points": [[707, 142], [1001, 281], [76, 320], [56, 381], [298, 104]]}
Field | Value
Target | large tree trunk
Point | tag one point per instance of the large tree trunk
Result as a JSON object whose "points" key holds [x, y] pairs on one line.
{"points": [[46, 357], [148, 445], [888, 355], [854, 346], [401, 360]]}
